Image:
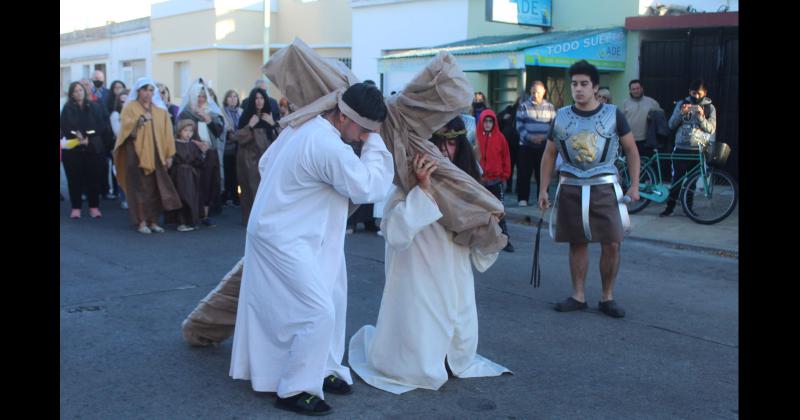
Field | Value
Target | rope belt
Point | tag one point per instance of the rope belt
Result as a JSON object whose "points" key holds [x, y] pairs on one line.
{"points": [[586, 188]]}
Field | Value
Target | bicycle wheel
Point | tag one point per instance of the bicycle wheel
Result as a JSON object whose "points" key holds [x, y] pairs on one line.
{"points": [[715, 204], [646, 177]]}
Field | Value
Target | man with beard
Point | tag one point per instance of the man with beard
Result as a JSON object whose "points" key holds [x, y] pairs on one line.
{"points": [[637, 109]]}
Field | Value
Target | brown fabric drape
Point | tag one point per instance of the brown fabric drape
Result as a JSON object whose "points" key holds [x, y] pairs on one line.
{"points": [[435, 96], [213, 320]]}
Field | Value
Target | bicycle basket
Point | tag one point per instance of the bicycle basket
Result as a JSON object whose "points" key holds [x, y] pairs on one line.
{"points": [[717, 154]]}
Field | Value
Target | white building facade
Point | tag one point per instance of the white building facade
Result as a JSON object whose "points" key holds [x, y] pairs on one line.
{"points": [[121, 50], [381, 26]]}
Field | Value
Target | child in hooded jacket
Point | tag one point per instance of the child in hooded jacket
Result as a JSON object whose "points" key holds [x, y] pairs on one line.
{"points": [[495, 159]]}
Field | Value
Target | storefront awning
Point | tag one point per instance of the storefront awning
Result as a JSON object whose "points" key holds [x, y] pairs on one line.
{"points": [[604, 48]]}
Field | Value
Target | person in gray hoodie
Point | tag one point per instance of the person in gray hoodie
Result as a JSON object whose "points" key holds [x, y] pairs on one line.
{"points": [[696, 120]]}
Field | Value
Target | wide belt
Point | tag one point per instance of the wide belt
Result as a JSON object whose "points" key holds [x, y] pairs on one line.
{"points": [[586, 188]]}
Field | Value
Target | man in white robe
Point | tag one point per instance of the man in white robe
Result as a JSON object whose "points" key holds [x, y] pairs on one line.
{"points": [[290, 323]]}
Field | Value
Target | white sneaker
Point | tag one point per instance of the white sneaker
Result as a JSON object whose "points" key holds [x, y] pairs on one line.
{"points": [[185, 228], [523, 203], [380, 233], [124, 205], [145, 230], [156, 228]]}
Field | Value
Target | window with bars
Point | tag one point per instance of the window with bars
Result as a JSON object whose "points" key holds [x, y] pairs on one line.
{"points": [[347, 61], [558, 92]]}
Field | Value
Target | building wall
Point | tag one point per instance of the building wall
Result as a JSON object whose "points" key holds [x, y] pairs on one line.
{"points": [[129, 48], [206, 28], [571, 15], [403, 25], [477, 25], [201, 64], [226, 48], [324, 22], [108, 51]]}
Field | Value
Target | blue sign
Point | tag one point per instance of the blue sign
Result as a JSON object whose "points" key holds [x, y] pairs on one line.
{"points": [[520, 12], [606, 50]]}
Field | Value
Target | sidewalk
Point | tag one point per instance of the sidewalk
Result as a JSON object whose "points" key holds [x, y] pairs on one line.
{"points": [[676, 231]]}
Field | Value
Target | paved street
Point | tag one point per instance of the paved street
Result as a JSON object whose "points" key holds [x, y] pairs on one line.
{"points": [[124, 295]]}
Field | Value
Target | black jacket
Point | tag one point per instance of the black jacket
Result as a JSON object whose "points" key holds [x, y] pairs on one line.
{"points": [[89, 117], [657, 128], [275, 110], [507, 120]]}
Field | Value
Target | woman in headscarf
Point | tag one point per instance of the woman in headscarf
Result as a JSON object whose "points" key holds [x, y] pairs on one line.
{"points": [[143, 153], [232, 115], [256, 132], [83, 120], [200, 108]]}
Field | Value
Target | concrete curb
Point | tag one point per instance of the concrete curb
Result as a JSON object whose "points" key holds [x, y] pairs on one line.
{"points": [[525, 219]]}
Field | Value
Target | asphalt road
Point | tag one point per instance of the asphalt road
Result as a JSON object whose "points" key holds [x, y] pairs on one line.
{"points": [[675, 355]]}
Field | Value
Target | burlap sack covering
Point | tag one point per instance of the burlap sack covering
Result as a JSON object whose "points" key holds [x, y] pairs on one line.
{"points": [[213, 320], [435, 96]]}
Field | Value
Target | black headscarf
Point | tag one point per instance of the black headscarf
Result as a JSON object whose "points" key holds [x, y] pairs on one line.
{"points": [[250, 110]]}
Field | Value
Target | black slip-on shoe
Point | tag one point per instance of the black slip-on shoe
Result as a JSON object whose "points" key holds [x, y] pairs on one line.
{"points": [[570, 304], [611, 309], [335, 385], [304, 403]]}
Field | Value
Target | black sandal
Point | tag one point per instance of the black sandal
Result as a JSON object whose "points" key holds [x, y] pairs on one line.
{"points": [[304, 403], [335, 385], [571, 304]]}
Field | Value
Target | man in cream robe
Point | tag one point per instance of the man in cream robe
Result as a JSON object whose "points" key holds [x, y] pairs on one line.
{"points": [[290, 321]]}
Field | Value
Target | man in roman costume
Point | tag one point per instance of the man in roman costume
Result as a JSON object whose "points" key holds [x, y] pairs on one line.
{"points": [[589, 205]]}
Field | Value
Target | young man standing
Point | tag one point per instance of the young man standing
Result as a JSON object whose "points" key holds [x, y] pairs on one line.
{"points": [[697, 119], [589, 204]]}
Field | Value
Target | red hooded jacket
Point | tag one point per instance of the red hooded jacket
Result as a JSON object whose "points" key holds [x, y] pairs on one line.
{"points": [[495, 158]]}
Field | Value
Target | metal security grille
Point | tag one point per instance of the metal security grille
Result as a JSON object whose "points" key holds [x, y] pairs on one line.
{"points": [[557, 90], [669, 65]]}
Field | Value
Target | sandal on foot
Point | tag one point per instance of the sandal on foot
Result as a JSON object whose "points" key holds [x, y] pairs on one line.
{"points": [[571, 304], [304, 403], [337, 386], [611, 309]]}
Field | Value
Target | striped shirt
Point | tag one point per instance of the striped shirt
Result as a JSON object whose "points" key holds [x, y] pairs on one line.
{"points": [[534, 119]]}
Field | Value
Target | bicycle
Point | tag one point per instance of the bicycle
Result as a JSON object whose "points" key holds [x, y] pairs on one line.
{"points": [[708, 194]]}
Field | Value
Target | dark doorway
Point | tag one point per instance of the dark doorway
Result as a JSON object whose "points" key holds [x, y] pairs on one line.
{"points": [[668, 64]]}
